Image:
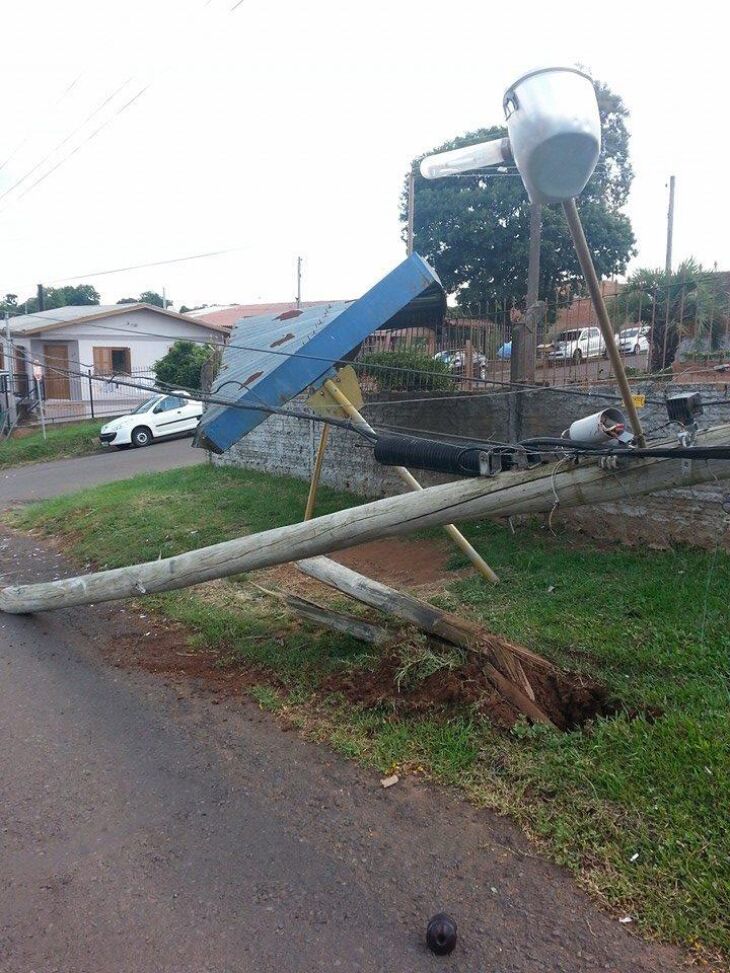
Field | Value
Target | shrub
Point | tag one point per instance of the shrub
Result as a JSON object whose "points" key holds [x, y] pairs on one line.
{"points": [[420, 371], [181, 366]]}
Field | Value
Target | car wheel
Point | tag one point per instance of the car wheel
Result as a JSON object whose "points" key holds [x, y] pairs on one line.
{"points": [[141, 436], [577, 356], [637, 350]]}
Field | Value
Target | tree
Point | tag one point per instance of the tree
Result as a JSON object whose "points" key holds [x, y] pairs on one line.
{"points": [[69, 296], [475, 230], [146, 297], [696, 300], [181, 366]]}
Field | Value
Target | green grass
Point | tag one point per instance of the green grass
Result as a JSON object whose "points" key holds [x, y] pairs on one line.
{"points": [[73, 440], [652, 625]]}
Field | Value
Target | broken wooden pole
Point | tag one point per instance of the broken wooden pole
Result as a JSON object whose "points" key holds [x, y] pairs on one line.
{"points": [[434, 621], [412, 483], [528, 492], [358, 628], [431, 620]]}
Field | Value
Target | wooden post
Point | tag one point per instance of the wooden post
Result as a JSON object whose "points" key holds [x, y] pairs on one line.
{"points": [[527, 492], [469, 365], [409, 479], [316, 472]]}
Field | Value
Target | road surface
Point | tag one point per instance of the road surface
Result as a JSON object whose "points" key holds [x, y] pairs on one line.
{"points": [[145, 830], [40, 481]]}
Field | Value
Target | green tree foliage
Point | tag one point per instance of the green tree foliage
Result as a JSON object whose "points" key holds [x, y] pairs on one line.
{"points": [[146, 297], [475, 229], [697, 302], [68, 296], [182, 365]]}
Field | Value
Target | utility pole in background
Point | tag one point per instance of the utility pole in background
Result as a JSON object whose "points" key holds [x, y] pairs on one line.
{"points": [[670, 227], [668, 271], [524, 336], [10, 365], [411, 211], [41, 298], [299, 282]]}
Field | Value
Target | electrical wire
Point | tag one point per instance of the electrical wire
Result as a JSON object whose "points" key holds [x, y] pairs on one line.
{"points": [[370, 366], [208, 399], [533, 447], [155, 263], [63, 142]]}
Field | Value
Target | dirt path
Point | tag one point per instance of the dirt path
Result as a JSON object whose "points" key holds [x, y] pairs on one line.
{"points": [[145, 829]]}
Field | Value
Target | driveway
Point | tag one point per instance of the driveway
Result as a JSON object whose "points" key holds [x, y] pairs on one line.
{"points": [[40, 481], [144, 829]]}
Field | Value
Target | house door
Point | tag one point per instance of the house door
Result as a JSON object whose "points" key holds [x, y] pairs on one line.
{"points": [[56, 383]]}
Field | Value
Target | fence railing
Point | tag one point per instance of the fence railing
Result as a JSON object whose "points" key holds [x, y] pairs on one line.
{"points": [[653, 331]]}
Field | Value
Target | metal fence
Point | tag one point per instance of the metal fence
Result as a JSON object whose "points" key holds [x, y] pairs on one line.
{"points": [[90, 396], [657, 330]]}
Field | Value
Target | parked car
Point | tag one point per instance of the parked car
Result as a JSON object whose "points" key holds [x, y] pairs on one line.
{"points": [[455, 360], [165, 414], [577, 345], [633, 341], [504, 353]]}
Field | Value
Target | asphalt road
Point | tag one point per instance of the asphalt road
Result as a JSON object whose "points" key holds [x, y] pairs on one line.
{"points": [[145, 830], [40, 481]]}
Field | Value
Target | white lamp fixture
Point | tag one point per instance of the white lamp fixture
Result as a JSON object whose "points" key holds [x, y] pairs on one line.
{"points": [[554, 136]]}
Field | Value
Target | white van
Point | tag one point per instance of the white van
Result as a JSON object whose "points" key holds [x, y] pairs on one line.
{"points": [[577, 345]]}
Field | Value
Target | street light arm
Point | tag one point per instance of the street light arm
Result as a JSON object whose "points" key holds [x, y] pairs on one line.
{"points": [[493, 153]]}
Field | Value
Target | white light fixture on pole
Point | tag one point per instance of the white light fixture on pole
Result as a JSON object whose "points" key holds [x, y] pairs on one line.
{"points": [[554, 131]]}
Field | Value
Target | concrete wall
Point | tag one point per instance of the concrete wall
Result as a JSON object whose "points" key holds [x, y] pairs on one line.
{"points": [[288, 446]]}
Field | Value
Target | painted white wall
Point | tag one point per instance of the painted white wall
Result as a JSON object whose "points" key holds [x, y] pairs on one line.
{"points": [[147, 334]]}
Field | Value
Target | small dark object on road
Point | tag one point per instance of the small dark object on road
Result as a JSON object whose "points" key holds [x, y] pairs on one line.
{"points": [[441, 934]]}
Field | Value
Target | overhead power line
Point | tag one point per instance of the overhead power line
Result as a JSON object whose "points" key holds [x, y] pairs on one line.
{"points": [[31, 131], [154, 263], [61, 144], [80, 146]]}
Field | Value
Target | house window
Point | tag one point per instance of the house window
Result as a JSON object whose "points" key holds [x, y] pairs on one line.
{"points": [[112, 361]]}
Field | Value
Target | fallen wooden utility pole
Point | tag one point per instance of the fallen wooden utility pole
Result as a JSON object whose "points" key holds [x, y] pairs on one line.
{"points": [[500, 659], [528, 492], [336, 621]]}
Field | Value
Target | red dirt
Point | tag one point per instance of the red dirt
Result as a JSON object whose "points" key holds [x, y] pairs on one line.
{"points": [[398, 561], [569, 700]]}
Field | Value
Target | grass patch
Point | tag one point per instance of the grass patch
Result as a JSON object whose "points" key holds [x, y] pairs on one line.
{"points": [[651, 625], [78, 439]]}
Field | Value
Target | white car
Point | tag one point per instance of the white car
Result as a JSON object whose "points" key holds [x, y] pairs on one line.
{"points": [[165, 414], [577, 345], [633, 341]]}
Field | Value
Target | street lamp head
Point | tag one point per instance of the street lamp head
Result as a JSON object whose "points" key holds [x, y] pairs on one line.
{"points": [[554, 132], [554, 136]]}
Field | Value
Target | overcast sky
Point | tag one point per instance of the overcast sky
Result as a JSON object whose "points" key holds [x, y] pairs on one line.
{"points": [[285, 127]]}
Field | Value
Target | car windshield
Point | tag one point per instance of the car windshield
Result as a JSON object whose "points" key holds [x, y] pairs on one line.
{"points": [[146, 405], [630, 333], [568, 335]]}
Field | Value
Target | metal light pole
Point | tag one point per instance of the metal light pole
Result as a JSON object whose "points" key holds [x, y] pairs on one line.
{"points": [[670, 227]]}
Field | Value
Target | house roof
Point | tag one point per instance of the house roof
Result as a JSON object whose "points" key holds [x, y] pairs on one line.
{"points": [[61, 317], [226, 317]]}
